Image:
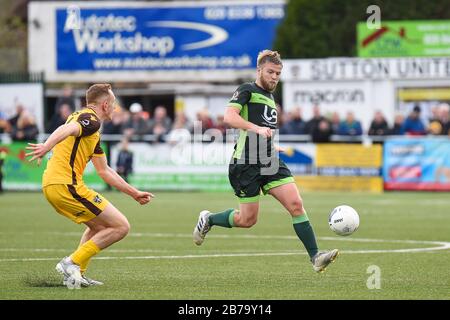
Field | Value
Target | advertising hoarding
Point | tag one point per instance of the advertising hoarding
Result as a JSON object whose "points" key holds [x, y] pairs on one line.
{"points": [[346, 167], [20, 174], [151, 41], [417, 164], [404, 39]]}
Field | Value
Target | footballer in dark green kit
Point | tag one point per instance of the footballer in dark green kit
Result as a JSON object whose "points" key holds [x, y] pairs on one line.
{"points": [[255, 167]]}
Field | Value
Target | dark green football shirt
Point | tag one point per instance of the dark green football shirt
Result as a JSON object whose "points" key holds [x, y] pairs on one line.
{"points": [[257, 106]]}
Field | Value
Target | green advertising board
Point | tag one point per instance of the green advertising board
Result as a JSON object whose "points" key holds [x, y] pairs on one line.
{"points": [[404, 39], [20, 174]]}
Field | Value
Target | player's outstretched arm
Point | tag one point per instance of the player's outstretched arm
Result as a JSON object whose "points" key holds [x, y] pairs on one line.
{"points": [[234, 119], [113, 179], [280, 149], [38, 150]]}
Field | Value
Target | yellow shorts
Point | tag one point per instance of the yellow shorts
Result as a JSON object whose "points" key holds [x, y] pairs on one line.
{"points": [[76, 202]]}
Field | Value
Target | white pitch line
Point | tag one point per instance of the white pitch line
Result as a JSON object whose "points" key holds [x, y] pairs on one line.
{"points": [[65, 250], [252, 236], [222, 255], [191, 256], [439, 245]]}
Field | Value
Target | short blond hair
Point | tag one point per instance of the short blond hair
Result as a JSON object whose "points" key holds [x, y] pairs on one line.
{"points": [[268, 56], [97, 91]]}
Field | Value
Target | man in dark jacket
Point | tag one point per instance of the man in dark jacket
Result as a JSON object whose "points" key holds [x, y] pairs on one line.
{"points": [[124, 163], [2, 161]]}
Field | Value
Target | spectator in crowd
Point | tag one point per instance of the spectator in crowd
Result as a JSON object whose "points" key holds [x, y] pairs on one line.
{"points": [[181, 121], [434, 114], [124, 162], [322, 132], [413, 125], [25, 129], [313, 123], [3, 155], [115, 126], [204, 121], [181, 129], [220, 125], [444, 117], [218, 130], [397, 128], [435, 128], [282, 116], [60, 117], [378, 126], [440, 122], [19, 110], [294, 124], [126, 117], [136, 125], [66, 98], [350, 126], [160, 124], [159, 131], [4, 123], [335, 122]]}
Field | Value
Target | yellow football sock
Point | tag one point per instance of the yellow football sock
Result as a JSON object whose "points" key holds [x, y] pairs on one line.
{"points": [[84, 253]]}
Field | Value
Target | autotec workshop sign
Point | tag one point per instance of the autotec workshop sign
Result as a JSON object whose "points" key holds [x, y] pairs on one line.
{"points": [[164, 37]]}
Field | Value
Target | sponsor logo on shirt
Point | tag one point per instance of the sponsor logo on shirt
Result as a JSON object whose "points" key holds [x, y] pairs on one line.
{"points": [[270, 115]]}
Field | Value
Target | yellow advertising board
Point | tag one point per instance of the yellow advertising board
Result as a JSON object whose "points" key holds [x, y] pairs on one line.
{"points": [[415, 94], [334, 183], [337, 167], [349, 155]]}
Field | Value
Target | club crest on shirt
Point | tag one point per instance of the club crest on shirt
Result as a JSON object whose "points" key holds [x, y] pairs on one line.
{"points": [[97, 199]]}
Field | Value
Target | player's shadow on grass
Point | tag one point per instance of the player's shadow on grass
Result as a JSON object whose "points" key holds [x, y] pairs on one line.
{"points": [[42, 281]]}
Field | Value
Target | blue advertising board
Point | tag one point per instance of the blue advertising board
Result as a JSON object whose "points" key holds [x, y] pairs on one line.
{"points": [[417, 164], [199, 37]]}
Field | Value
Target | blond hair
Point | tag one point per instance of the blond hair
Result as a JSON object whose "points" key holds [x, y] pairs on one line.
{"points": [[268, 56], [97, 91]]}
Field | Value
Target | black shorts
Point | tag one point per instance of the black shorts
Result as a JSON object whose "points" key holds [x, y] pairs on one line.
{"points": [[248, 180]]}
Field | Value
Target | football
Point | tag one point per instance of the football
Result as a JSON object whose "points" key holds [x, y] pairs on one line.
{"points": [[343, 220]]}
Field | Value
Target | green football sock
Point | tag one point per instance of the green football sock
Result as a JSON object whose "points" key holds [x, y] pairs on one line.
{"points": [[305, 233], [222, 219]]}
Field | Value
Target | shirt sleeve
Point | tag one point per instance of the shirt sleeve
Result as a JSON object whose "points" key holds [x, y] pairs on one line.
{"points": [[98, 151], [240, 98], [89, 124]]}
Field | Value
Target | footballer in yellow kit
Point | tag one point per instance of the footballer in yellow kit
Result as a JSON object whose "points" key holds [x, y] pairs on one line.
{"points": [[62, 182], [73, 145]]}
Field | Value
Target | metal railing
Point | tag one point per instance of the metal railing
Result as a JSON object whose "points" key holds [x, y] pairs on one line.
{"points": [[303, 138], [15, 77]]}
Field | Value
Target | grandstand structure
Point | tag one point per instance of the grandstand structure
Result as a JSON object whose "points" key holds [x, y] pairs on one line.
{"points": [[180, 62]]}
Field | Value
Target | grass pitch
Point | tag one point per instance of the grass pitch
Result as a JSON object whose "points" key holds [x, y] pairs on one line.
{"points": [[404, 238]]}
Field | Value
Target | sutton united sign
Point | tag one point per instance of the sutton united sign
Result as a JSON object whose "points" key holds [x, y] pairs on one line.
{"points": [[361, 69]]}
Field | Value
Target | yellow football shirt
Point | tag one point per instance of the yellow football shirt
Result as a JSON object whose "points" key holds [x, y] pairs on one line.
{"points": [[69, 158]]}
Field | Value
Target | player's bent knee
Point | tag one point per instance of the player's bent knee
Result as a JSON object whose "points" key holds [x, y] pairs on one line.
{"points": [[296, 206], [123, 229]]}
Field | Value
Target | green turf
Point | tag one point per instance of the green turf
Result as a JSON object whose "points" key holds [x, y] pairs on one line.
{"points": [[158, 260]]}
